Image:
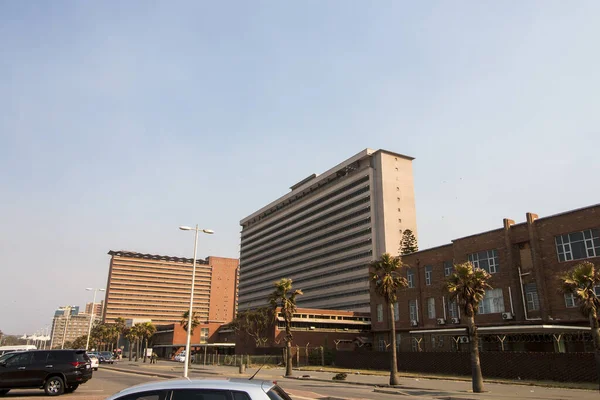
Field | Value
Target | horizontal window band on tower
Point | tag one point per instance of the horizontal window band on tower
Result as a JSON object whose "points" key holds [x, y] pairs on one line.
{"points": [[276, 244], [337, 231], [308, 250], [313, 204], [309, 289], [266, 231], [299, 278], [280, 272], [310, 227], [359, 244]]}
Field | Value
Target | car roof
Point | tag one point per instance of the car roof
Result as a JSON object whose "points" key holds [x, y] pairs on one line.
{"points": [[223, 384]]}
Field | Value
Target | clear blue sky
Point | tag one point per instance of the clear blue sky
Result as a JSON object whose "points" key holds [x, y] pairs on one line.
{"points": [[120, 121]]}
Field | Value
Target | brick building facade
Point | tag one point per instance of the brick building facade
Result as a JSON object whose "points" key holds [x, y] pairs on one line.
{"points": [[525, 311]]}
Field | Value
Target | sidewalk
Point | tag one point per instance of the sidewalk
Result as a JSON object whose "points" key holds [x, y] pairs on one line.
{"points": [[409, 386]]}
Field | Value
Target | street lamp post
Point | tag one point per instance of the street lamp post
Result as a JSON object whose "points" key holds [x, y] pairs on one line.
{"points": [[190, 312], [87, 344]]}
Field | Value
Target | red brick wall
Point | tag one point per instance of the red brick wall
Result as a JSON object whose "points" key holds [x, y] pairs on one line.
{"points": [[223, 289], [539, 241]]}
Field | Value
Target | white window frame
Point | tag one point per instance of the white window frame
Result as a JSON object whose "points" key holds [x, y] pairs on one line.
{"points": [[410, 278], [491, 257], [564, 248], [532, 299], [452, 309], [492, 304], [448, 266], [428, 275], [413, 312], [396, 312], [570, 299], [379, 312], [431, 308]]}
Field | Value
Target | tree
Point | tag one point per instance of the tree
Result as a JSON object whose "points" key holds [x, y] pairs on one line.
{"points": [[120, 326], [145, 331], [581, 282], [467, 286], [409, 242], [386, 278], [284, 297], [79, 343], [253, 323], [185, 319], [130, 334]]}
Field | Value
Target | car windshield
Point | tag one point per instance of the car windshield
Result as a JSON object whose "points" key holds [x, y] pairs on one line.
{"points": [[6, 356]]}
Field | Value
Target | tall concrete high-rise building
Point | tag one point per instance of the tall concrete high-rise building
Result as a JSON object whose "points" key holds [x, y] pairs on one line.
{"points": [[157, 288], [68, 324], [324, 233]]}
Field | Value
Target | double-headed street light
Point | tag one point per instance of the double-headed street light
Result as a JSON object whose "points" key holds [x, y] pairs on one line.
{"points": [[87, 344], [190, 313]]}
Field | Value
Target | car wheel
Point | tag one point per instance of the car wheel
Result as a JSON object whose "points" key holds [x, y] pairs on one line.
{"points": [[96, 369], [54, 386], [4, 391], [71, 388]]}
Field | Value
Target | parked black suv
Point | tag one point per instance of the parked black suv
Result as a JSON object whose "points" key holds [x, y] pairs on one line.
{"points": [[55, 371]]}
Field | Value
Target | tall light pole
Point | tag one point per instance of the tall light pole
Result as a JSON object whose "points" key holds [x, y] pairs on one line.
{"points": [[87, 344], [191, 310]]}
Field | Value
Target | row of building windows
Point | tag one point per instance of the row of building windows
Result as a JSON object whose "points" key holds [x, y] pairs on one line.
{"points": [[578, 245], [268, 245], [309, 206], [331, 296], [299, 281], [265, 233], [309, 250], [316, 267], [290, 267], [307, 290], [306, 242]]}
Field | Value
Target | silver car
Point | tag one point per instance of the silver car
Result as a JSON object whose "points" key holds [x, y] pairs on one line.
{"points": [[203, 389]]}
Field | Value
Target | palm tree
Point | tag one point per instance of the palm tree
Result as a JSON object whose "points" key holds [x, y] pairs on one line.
{"points": [[386, 277], [581, 282], [467, 286], [120, 326], [147, 329], [284, 297], [185, 320], [130, 334]]}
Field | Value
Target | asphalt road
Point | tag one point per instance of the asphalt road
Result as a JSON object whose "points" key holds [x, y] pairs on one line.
{"points": [[105, 383]]}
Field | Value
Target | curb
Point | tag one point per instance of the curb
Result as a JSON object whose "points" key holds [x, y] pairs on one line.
{"points": [[127, 371]]}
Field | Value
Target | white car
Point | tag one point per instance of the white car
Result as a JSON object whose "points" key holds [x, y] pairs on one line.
{"points": [[180, 357], [95, 362], [214, 389]]}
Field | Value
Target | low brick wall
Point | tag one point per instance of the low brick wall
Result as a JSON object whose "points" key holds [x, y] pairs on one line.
{"points": [[560, 367]]}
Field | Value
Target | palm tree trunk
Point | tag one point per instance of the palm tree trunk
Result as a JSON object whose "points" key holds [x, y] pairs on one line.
{"points": [[596, 338], [288, 361], [475, 364], [137, 348], [130, 350], [393, 356], [146, 348]]}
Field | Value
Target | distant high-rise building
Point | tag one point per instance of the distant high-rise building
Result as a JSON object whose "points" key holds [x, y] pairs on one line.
{"points": [[68, 324], [98, 308], [149, 286], [325, 232]]}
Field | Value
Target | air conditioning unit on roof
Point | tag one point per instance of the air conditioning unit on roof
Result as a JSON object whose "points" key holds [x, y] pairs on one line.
{"points": [[441, 321], [414, 322], [455, 320]]}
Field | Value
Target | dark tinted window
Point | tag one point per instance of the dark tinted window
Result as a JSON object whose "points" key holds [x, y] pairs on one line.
{"points": [[200, 394], [81, 356], [241, 396], [19, 359], [60, 356], [39, 357], [277, 393], [153, 395]]}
